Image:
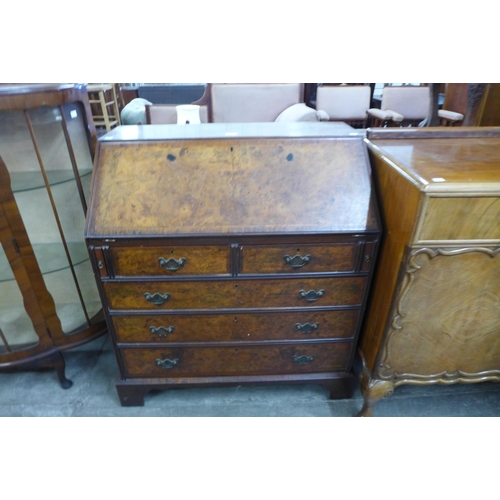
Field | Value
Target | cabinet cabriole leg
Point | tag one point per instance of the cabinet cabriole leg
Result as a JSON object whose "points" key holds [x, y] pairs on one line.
{"points": [[60, 367]]}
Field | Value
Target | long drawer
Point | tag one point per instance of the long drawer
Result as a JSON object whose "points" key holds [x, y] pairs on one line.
{"points": [[236, 327], [272, 293], [234, 361]]}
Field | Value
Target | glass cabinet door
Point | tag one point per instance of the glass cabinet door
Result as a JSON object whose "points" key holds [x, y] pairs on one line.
{"points": [[47, 155]]}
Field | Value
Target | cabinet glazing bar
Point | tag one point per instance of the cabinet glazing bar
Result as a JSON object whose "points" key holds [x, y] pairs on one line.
{"points": [[4, 341], [56, 215], [71, 152]]}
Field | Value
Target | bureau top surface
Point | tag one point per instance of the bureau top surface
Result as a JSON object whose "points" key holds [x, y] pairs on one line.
{"points": [[163, 183], [435, 162], [230, 130]]}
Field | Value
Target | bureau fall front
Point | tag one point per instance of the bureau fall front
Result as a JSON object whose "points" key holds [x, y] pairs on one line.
{"points": [[233, 254]]}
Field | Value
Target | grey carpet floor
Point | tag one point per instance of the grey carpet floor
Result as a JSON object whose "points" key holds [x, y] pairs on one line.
{"points": [[94, 371]]}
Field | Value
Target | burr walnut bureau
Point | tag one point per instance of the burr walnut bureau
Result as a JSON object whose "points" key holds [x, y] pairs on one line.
{"points": [[232, 254], [434, 314]]}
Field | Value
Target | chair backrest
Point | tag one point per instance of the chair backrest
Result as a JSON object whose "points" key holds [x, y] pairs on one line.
{"points": [[252, 102], [167, 114], [412, 102], [344, 102], [455, 97]]}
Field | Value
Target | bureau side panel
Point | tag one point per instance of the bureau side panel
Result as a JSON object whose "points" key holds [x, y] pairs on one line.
{"points": [[399, 201]]}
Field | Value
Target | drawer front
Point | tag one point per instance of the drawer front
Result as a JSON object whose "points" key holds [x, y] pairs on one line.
{"points": [[234, 361], [234, 327], [461, 219], [235, 294], [298, 259], [171, 261]]}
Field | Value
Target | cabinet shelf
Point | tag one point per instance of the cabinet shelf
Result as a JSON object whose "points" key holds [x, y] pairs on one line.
{"points": [[29, 181], [18, 347], [51, 258]]}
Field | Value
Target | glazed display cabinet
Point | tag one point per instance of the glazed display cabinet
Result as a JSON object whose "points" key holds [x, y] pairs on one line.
{"points": [[48, 298], [434, 314]]}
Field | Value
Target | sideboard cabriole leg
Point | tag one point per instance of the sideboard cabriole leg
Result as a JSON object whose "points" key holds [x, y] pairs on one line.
{"points": [[373, 390]]}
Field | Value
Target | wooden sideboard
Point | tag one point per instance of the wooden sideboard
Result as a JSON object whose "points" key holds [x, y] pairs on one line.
{"points": [[434, 313], [232, 254]]}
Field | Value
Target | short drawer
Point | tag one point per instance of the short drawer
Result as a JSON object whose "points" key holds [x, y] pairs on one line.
{"points": [[170, 261], [235, 294], [234, 361], [234, 327], [298, 259]]}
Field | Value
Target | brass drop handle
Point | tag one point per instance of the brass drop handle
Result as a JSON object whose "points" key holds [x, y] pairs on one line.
{"points": [[303, 360], [297, 261], [166, 363], [311, 295], [306, 328], [161, 331], [157, 298], [172, 264]]}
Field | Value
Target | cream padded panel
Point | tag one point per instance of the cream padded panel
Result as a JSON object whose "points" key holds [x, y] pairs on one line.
{"points": [[344, 103], [166, 113], [412, 102], [254, 102]]}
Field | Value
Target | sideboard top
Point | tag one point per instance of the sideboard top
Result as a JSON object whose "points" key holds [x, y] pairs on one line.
{"points": [[226, 185], [435, 158]]}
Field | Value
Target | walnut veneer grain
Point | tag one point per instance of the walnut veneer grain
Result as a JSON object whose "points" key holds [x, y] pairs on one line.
{"points": [[241, 360], [189, 260], [269, 293], [309, 258], [237, 326]]}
